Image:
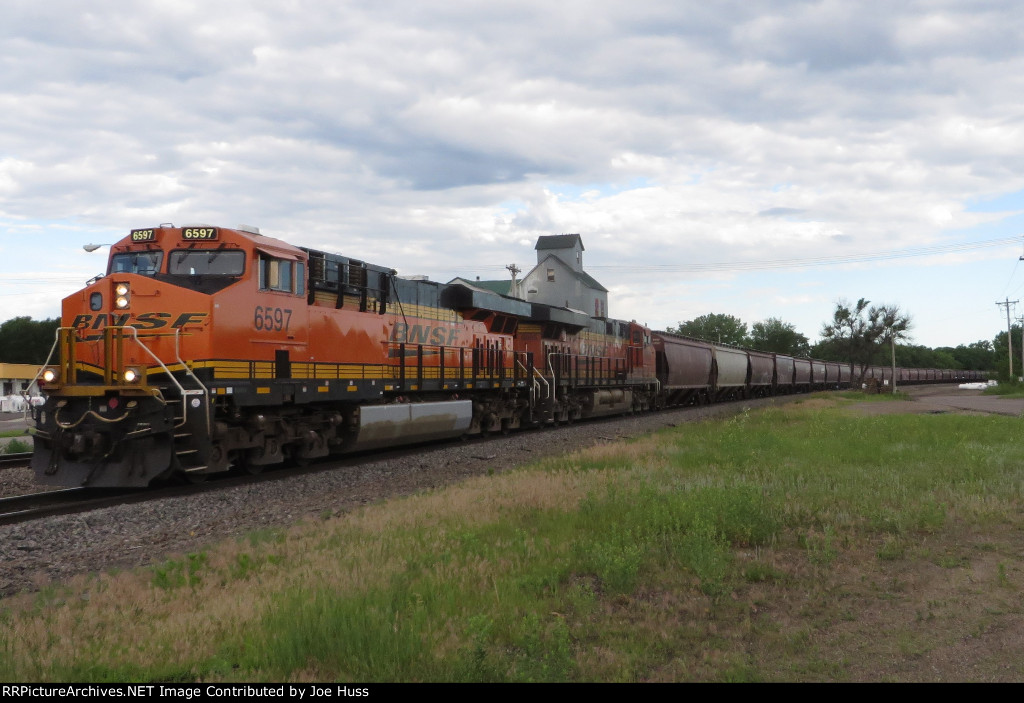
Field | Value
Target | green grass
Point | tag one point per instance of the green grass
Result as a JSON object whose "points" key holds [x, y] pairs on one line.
{"points": [[1008, 389], [757, 548], [13, 433]]}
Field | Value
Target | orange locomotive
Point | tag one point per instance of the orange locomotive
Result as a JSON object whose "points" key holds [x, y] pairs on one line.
{"points": [[206, 348]]}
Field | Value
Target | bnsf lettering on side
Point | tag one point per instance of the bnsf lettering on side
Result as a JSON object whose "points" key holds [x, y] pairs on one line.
{"points": [[144, 321], [424, 334]]}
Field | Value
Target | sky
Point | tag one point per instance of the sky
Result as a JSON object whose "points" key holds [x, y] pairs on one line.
{"points": [[759, 159]]}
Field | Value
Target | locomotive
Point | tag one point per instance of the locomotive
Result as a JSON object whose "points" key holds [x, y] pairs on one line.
{"points": [[205, 349]]}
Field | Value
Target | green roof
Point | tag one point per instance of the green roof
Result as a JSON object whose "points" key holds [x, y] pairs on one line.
{"points": [[499, 287]]}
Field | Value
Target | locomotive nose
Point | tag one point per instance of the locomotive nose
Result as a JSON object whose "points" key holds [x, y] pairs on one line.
{"points": [[88, 443]]}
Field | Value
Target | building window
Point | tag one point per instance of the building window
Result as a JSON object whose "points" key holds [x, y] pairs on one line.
{"points": [[551, 275]]}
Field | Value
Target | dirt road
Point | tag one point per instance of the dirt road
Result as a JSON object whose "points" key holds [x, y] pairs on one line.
{"points": [[948, 399]]}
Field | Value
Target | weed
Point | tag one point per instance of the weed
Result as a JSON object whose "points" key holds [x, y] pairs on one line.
{"points": [[478, 663], [616, 563], [761, 573], [704, 551], [16, 446], [174, 573], [891, 550], [821, 549], [545, 650]]}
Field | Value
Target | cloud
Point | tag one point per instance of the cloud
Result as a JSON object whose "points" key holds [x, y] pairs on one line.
{"points": [[399, 132]]}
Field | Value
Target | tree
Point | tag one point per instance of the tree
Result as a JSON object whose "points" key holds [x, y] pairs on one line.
{"points": [[976, 356], [26, 341], [774, 335], [830, 350], [860, 331], [895, 325], [714, 327], [921, 357], [1001, 362]]}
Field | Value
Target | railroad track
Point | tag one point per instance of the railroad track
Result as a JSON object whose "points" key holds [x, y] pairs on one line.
{"points": [[27, 507], [82, 499], [74, 500], [15, 460]]}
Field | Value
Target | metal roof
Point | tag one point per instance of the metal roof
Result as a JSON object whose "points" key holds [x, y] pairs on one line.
{"points": [[559, 241]]}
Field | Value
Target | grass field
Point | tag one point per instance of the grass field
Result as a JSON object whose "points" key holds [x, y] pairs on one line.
{"points": [[801, 543], [1006, 389]]}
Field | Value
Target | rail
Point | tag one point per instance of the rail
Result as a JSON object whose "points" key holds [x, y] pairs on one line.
{"points": [[17, 459]]}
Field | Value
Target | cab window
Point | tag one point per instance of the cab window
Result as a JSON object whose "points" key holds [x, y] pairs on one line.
{"points": [[206, 262], [145, 263]]}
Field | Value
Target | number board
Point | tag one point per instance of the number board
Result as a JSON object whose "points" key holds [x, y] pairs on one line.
{"points": [[142, 235], [204, 234]]}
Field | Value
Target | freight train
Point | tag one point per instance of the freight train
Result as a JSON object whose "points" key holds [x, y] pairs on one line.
{"points": [[205, 349]]}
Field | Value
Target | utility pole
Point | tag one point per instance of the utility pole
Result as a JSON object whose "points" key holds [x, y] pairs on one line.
{"points": [[1009, 330], [1021, 321], [892, 341], [514, 270]]}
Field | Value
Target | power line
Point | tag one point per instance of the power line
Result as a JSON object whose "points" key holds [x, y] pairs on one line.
{"points": [[821, 260], [808, 262]]}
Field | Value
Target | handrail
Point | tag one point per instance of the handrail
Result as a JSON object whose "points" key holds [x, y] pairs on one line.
{"points": [[26, 392], [539, 375], [188, 370], [135, 336], [534, 385]]}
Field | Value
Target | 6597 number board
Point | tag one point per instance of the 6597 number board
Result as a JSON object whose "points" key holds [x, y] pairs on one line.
{"points": [[204, 234]]}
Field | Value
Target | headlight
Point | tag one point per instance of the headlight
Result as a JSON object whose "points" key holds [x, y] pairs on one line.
{"points": [[50, 375], [122, 293], [132, 375]]}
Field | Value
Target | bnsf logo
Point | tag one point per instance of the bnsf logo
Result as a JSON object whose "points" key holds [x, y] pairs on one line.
{"points": [[145, 321], [424, 334]]}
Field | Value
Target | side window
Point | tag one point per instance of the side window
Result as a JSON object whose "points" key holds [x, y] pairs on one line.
{"points": [[280, 275], [284, 276]]}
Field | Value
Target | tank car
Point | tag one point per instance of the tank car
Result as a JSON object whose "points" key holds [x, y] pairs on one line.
{"points": [[205, 348]]}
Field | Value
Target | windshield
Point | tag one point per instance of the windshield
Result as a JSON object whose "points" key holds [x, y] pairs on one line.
{"points": [[146, 263], [206, 262]]}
